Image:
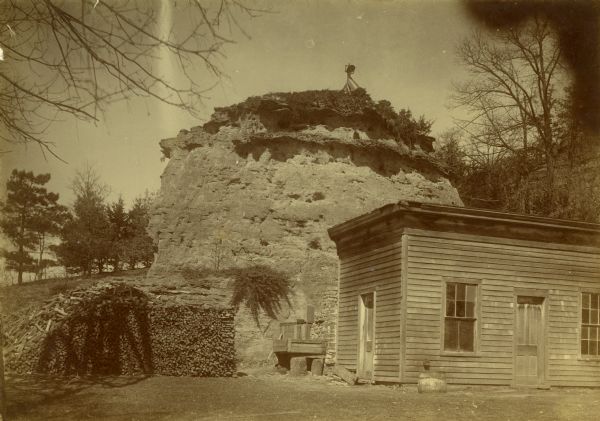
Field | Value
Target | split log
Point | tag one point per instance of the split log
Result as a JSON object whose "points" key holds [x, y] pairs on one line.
{"points": [[345, 374]]}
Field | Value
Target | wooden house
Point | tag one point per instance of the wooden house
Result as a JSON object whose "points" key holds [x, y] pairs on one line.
{"points": [[486, 297]]}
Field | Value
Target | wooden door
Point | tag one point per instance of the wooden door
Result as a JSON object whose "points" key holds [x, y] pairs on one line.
{"points": [[529, 347], [366, 343]]}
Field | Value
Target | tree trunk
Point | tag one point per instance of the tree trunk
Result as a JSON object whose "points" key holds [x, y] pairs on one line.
{"points": [[20, 271], [38, 275], [117, 263], [21, 248], [550, 180], [2, 389]]}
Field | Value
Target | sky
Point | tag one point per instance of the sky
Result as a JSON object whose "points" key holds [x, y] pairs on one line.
{"points": [[403, 52]]}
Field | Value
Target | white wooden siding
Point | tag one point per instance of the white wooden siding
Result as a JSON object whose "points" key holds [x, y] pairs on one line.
{"points": [[378, 269], [501, 266]]}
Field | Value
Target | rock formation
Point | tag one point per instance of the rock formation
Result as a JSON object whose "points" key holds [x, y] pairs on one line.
{"points": [[263, 180]]}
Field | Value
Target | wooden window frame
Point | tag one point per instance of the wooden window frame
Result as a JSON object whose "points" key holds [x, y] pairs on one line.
{"points": [[477, 329], [580, 356]]}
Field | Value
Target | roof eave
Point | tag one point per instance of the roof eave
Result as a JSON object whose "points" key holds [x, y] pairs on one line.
{"points": [[462, 214]]}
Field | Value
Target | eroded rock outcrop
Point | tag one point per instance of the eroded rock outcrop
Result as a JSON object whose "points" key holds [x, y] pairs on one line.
{"points": [[263, 180]]}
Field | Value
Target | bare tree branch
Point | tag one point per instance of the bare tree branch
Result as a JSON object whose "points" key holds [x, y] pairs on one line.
{"points": [[64, 58]]}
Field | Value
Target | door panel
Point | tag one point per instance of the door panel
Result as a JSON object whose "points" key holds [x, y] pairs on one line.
{"points": [[529, 359], [366, 343]]}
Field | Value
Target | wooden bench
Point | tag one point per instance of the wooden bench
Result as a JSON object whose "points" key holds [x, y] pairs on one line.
{"points": [[294, 341]]}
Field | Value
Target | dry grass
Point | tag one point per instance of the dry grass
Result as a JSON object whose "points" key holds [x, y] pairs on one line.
{"points": [[17, 297]]}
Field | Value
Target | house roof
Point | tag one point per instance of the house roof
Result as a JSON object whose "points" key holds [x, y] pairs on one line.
{"points": [[472, 220]]}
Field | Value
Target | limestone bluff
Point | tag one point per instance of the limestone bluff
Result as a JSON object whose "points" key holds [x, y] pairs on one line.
{"points": [[263, 180]]}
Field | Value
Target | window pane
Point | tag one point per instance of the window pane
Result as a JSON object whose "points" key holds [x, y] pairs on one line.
{"points": [[585, 301], [461, 302], [460, 309], [584, 347], [450, 308], [593, 333], [594, 299], [471, 289], [594, 317], [460, 292], [466, 335], [585, 316], [470, 311], [451, 335], [593, 348], [584, 333], [450, 288]]}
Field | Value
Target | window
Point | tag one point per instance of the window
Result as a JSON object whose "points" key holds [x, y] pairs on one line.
{"points": [[590, 324], [459, 324]]}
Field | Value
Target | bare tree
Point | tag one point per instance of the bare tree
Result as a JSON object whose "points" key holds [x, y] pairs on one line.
{"points": [[75, 57], [515, 76], [87, 184]]}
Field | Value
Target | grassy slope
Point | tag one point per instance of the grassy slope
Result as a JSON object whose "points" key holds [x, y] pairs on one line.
{"points": [[16, 297]]}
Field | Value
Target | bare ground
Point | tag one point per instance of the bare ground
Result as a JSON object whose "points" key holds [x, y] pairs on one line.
{"points": [[274, 397]]}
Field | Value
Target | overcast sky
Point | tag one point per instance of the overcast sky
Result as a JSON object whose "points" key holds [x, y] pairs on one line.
{"points": [[403, 52]]}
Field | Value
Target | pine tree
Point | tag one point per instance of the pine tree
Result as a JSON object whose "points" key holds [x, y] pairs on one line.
{"points": [[29, 216], [119, 231], [139, 246], [85, 238], [47, 222]]}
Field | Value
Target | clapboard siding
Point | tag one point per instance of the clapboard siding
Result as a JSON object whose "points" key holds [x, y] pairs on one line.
{"points": [[499, 266], [374, 268]]}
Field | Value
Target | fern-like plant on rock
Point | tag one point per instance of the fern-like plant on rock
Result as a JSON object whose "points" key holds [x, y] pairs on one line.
{"points": [[259, 288]]}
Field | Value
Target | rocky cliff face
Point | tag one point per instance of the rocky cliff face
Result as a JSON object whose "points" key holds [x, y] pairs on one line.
{"points": [[264, 179]]}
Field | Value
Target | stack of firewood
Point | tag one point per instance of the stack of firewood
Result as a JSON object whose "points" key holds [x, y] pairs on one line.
{"points": [[194, 341], [117, 329]]}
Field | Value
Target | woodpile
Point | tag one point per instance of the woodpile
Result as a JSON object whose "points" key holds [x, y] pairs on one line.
{"points": [[117, 329], [195, 342]]}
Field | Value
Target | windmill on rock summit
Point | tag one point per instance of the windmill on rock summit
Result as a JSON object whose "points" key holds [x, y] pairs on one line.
{"points": [[351, 84]]}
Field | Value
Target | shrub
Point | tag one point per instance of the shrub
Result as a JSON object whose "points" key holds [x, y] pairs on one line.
{"points": [[315, 244], [318, 196], [260, 288]]}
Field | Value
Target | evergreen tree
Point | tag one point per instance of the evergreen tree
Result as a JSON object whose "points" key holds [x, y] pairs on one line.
{"points": [[30, 214], [119, 231], [47, 222], [139, 246], [86, 243]]}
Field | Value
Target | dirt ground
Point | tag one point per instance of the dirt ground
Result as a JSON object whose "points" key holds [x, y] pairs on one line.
{"points": [[273, 397]]}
